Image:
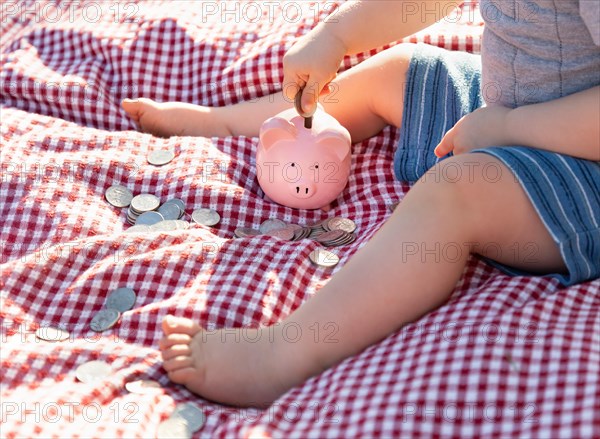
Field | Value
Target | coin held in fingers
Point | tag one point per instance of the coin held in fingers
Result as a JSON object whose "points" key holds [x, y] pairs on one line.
{"points": [[308, 117]]}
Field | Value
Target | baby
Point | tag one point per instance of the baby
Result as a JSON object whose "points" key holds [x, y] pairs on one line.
{"points": [[536, 86]]}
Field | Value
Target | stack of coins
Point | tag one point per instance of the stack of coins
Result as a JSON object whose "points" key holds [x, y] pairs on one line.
{"points": [[141, 204], [332, 232], [186, 419], [119, 300]]}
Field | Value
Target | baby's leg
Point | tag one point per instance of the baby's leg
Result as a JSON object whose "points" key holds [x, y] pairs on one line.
{"points": [[364, 99], [409, 268]]}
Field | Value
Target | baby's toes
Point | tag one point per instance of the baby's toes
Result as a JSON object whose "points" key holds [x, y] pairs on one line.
{"points": [[173, 339], [179, 325], [176, 351], [179, 362], [184, 375]]}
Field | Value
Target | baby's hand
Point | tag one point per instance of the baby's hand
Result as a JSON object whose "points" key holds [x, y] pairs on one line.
{"points": [[311, 63], [486, 126]]}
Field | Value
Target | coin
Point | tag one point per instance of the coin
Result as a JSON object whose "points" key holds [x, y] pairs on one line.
{"points": [[160, 157], [243, 232], [181, 224], [338, 223], [302, 233], [170, 211], [149, 218], [50, 333], [191, 413], [330, 236], [93, 371], [270, 225], [179, 203], [143, 387], [323, 258], [308, 117], [176, 428], [144, 203], [118, 196], [104, 319], [166, 226], [206, 217], [285, 234], [122, 299]]}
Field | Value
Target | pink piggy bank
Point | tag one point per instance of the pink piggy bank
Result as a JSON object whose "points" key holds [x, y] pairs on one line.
{"points": [[304, 168]]}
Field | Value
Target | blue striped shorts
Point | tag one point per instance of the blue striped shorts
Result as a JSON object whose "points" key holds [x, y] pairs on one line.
{"points": [[442, 87]]}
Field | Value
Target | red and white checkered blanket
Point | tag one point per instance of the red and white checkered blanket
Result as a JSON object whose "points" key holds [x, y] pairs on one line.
{"points": [[506, 356]]}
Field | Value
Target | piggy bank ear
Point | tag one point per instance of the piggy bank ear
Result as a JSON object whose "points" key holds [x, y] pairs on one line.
{"points": [[336, 141], [274, 130]]}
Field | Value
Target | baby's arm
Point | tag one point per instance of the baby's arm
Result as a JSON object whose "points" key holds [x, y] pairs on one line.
{"points": [[358, 26], [568, 125]]}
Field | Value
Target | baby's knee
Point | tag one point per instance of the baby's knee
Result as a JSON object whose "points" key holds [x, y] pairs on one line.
{"points": [[464, 179]]}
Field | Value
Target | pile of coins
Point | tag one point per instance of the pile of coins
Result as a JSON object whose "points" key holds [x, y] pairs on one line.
{"points": [[119, 301], [186, 419], [145, 213], [142, 207], [332, 232]]}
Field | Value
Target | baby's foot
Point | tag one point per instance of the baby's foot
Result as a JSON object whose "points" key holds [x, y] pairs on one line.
{"points": [[174, 118], [232, 366]]}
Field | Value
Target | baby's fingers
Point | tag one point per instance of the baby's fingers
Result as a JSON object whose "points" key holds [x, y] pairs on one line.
{"points": [[446, 146]]}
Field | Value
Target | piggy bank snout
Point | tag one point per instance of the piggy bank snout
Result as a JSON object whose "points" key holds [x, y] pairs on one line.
{"points": [[303, 189]]}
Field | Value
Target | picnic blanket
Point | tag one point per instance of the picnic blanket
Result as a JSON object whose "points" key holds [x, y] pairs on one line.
{"points": [[506, 356]]}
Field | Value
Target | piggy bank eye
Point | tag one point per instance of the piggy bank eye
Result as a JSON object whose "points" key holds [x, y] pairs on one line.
{"points": [[316, 166], [293, 164]]}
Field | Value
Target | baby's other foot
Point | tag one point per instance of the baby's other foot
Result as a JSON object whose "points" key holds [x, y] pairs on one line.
{"points": [[236, 367], [174, 118]]}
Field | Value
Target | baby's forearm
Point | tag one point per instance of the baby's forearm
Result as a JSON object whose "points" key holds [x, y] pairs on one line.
{"points": [[367, 24], [569, 125]]}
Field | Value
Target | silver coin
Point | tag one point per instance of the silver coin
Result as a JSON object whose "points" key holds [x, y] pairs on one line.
{"points": [[345, 224], [104, 319], [118, 196], [323, 258], [173, 428], [191, 413], [170, 211], [140, 228], [122, 299], [50, 333], [272, 224], [143, 387], [149, 218], [206, 217], [330, 236], [179, 203], [160, 157], [93, 371], [243, 232], [285, 234], [144, 203]]}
